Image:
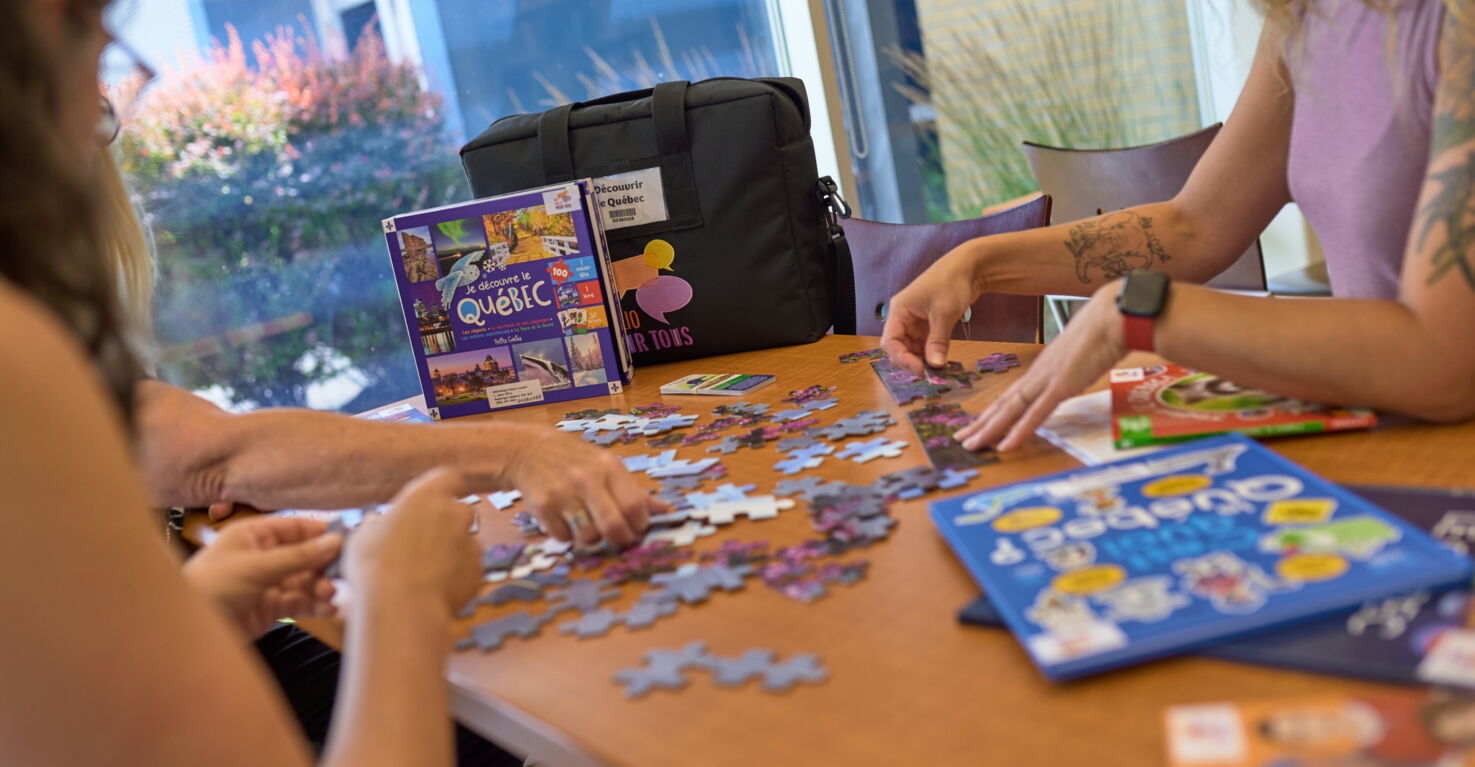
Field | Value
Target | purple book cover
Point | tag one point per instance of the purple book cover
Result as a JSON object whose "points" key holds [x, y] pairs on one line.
{"points": [[507, 301]]}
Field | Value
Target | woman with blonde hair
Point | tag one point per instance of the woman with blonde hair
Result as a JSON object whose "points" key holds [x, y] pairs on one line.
{"points": [[1363, 113]]}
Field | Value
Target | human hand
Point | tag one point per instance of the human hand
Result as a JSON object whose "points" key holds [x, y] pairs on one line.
{"points": [[421, 548], [921, 317], [263, 569], [579, 492], [1086, 350]]}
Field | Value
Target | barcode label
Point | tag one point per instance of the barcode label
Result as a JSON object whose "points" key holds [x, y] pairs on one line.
{"points": [[631, 199]]}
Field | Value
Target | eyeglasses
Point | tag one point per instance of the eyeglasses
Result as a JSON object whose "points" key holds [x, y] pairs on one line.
{"points": [[123, 72]]}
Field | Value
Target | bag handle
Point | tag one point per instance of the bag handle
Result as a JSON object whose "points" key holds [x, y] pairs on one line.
{"points": [[668, 114], [558, 161]]}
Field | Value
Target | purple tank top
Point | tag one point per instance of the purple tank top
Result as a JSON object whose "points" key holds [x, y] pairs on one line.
{"points": [[1360, 135]]}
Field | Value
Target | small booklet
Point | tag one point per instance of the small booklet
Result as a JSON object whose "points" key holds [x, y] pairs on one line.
{"points": [[1081, 426], [509, 301], [1117, 564], [720, 384], [1430, 728], [1170, 403]]}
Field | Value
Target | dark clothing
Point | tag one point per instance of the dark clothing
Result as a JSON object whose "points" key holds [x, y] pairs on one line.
{"points": [[307, 671]]}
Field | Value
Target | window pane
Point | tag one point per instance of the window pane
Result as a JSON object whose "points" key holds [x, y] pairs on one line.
{"points": [[938, 94], [279, 134]]}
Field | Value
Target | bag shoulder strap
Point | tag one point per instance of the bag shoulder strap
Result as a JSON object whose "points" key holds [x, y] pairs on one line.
{"points": [[835, 208]]}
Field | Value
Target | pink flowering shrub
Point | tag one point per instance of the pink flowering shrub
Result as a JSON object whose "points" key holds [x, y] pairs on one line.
{"points": [[264, 171]]}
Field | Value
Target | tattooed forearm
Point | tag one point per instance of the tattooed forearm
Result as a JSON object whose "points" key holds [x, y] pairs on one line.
{"points": [[1113, 245], [1454, 207]]}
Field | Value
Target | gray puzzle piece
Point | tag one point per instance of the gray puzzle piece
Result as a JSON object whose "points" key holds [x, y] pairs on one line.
{"points": [[591, 624], [645, 613], [735, 672], [584, 595], [490, 635], [800, 442], [665, 669], [801, 667]]}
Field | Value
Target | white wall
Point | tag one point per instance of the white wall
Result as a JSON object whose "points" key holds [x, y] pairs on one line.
{"points": [[1225, 37]]}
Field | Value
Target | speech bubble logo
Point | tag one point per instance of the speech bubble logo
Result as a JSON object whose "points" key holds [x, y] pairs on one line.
{"points": [[660, 255], [663, 294], [632, 272]]}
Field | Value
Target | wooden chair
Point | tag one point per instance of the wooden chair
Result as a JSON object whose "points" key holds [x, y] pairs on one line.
{"points": [[1089, 182], [888, 257]]}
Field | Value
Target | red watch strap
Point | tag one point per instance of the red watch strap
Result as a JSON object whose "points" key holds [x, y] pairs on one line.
{"points": [[1138, 332]]}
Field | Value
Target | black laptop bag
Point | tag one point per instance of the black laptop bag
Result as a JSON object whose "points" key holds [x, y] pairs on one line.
{"points": [[722, 235]]}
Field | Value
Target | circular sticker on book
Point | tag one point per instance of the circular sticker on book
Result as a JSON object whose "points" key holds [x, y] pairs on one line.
{"points": [[1180, 484], [1020, 520], [1089, 580], [1311, 567]]}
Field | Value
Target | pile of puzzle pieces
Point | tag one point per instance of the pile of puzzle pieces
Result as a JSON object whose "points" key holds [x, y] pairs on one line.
{"points": [[846, 517]]}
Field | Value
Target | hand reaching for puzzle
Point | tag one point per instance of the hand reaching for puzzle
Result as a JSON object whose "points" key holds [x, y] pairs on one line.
{"points": [[920, 319], [560, 475], [420, 550], [260, 570], [1084, 352]]}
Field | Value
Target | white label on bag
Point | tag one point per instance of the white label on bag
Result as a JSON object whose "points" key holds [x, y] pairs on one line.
{"points": [[631, 199]]}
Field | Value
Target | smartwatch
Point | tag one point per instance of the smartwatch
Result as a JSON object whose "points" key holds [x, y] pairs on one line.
{"points": [[1143, 297]]}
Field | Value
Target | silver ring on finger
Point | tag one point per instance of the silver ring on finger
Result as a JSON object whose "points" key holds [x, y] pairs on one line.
{"points": [[578, 519]]}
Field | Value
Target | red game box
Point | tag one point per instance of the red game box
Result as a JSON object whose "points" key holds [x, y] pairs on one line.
{"points": [[1170, 403]]}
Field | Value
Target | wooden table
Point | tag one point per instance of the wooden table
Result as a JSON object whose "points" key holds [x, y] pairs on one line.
{"points": [[908, 684]]}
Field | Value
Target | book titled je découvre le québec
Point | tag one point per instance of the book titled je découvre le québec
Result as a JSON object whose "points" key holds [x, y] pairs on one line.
{"points": [[509, 301]]}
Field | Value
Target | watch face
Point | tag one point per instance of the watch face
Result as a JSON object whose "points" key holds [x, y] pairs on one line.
{"points": [[1142, 294]]}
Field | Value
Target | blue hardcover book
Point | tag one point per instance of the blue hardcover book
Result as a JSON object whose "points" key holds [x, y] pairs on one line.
{"points": [[1383, 640], [509, 301], [1120, 563]]}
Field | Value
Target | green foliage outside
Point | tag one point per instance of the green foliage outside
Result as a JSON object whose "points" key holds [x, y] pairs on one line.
{"points": [[264, 177]]}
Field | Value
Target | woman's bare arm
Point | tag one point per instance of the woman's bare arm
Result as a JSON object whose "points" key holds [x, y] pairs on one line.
{"points": [[1413, 355], [113, 644], [1236, 188]]}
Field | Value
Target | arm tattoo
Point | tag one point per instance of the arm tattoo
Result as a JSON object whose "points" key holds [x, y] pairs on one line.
{"points": [[1114, 244], [1454, 207], [1454, 127]]}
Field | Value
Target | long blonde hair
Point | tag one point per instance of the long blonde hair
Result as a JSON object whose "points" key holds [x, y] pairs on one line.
{"points": [[1284, 18], [130, 254]]}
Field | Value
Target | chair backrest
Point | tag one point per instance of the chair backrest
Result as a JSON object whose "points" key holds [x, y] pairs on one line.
{"points": [[888, 257], [1088, 182]]}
